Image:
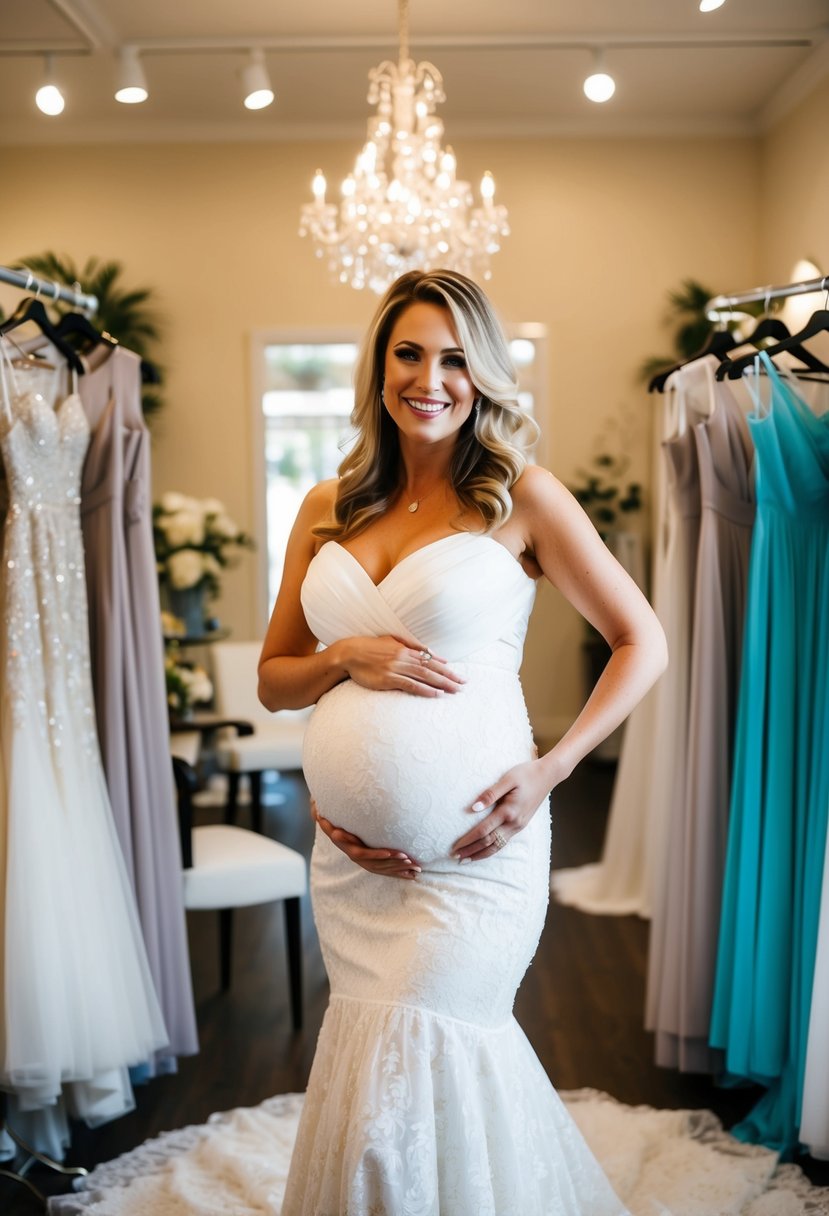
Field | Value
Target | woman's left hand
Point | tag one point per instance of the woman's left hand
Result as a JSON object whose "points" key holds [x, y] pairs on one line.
{"points": [[513, 800]]}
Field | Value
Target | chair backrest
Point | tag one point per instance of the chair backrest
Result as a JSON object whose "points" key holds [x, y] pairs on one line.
{"points": [[235, 683]]}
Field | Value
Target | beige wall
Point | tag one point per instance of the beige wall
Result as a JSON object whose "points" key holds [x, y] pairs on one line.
{"points": [[795, 189], [601, 231]]}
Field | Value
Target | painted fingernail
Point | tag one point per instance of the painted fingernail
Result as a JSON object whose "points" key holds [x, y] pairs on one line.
{"points": [[477, 806], [464, 861]]}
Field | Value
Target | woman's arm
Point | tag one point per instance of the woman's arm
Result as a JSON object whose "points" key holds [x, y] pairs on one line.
{"points": [[292, 674], [573, 557]]}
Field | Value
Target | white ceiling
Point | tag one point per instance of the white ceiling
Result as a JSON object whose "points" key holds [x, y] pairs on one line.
{"points": [[494, 87]]}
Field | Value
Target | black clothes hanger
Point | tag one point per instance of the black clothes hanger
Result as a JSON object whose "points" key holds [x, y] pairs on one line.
{"points": [[76, 325], [769, 327], [719, 343], [818, 323], [31, 309]]}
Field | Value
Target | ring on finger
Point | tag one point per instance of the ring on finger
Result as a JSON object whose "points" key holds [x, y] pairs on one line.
{"points": [[425, 657], [499, 839]]}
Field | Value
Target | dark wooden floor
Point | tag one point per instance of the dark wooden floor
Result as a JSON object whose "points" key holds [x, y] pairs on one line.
{"points": [[580, 1004]]}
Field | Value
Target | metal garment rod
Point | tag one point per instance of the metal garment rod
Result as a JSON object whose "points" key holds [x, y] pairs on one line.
{"points": [[26, 281], [759, 295]]}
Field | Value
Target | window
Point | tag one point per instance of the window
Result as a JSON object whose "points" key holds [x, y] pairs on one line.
{"points": [[303, 401]]}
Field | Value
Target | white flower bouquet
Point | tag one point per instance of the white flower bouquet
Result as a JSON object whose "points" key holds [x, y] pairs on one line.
{"points": [[187, 685], [194, 539]]}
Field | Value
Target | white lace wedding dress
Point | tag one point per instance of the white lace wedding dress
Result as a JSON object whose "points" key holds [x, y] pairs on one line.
{"points": [[425, 1096]]}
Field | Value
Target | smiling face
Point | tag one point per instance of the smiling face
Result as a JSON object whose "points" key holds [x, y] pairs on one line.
{"points": [[428, 391]]}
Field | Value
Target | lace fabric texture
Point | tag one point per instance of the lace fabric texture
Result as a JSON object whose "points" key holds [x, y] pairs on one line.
{"points": [[665, 1162], [425, 1096]]}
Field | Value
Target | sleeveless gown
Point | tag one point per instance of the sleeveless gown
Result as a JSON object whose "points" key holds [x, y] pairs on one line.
{"points": [[425, 1096], [78, 1002], [780, 793]]}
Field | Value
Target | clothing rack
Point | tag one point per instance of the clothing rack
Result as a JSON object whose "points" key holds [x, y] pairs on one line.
{"points": [[26, 281], [762, 295]]}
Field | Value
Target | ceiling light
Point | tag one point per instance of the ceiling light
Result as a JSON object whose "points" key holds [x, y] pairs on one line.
{"points": [[708, 6], [599, 86], [256, 83], [132, 83], [49, 98], [402, 206]]}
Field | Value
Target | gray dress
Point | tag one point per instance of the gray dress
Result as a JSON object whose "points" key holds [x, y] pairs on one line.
{"points": [[690, 914], [128, 677]]}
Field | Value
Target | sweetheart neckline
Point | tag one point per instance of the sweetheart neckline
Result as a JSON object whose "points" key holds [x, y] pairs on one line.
{"points": [[422, 549], [17, 420]]}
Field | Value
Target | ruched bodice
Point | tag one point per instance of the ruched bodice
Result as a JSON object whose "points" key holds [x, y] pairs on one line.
{"points": [[792, 452], [464, 596]]}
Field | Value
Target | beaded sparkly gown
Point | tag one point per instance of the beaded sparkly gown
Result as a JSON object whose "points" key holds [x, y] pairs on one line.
{"points": [[78, 1003]]}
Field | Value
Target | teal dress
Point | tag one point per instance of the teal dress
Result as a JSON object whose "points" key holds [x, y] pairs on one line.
{"points": [[780, 791]]}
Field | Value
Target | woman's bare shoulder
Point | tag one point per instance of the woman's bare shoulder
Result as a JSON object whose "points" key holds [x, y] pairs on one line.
{"points": [[322, 495], [318, 503], [537, 487]]}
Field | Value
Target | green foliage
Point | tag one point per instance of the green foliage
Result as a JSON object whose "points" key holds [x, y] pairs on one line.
{"points": [[687, 316], [128, 314], [604, 494]]}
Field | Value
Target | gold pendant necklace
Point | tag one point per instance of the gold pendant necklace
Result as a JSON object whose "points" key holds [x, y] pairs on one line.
{"points": [[415, 503]]}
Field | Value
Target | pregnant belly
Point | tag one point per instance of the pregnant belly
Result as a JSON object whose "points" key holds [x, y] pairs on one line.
{"points": [[401, 771]]}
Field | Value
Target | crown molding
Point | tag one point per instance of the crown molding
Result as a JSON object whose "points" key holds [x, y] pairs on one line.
{"points": [[87, 19], [99, 36], [796, 88]]}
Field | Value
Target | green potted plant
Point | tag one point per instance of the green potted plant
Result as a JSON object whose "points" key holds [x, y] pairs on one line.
{"points": [[126, 313]]}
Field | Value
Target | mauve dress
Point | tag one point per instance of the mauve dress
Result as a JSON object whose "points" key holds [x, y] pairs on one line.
{"points": [[128, 678], [690, 914]]}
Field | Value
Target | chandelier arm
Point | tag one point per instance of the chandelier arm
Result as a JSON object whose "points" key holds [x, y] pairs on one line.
{"points": [[403, 28]]}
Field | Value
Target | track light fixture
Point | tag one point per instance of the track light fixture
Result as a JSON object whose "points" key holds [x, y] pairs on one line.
{"points": [[599, 85], [256, 83], [49, 98], [132, 83]]}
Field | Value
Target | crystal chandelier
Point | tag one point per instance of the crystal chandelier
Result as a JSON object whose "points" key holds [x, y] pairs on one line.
{"points": [[402, 206]]}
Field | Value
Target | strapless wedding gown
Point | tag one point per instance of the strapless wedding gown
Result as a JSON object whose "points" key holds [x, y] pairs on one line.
{"points": [[425, 1096]]}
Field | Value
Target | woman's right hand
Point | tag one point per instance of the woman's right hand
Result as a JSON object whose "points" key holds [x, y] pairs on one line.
{"points": [[385, 862], [388, 664]]}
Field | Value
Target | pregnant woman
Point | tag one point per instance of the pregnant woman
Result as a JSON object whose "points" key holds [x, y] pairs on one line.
{"points": [[416, 569]]}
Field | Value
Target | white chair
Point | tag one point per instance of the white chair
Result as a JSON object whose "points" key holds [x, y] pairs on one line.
{"points": [[228, 867], [276, 742]]}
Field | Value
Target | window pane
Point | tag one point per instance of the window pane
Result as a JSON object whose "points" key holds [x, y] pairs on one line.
{"points": [[306, 408]]}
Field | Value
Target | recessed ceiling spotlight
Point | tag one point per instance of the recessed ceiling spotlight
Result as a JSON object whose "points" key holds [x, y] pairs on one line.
{"points": [[132, 83], [708, 6], [49, 98], [599, 85], [256, 83]]}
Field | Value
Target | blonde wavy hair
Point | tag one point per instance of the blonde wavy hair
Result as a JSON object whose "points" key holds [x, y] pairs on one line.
{"points": [[494, 442]]}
